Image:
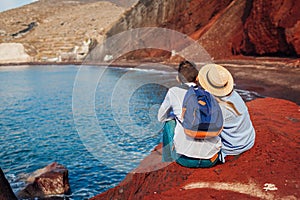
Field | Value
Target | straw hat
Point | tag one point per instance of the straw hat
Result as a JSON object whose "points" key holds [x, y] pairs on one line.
{"points": [[216, 79]]}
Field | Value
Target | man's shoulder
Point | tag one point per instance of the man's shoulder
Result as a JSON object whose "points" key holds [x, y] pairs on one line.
{"points": [[177, 90]]}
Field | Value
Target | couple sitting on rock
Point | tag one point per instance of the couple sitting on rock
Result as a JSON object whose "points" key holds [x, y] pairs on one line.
{"points": [[237, 134]]}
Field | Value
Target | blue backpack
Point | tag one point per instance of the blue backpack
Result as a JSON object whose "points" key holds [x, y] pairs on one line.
{"points": [[201, 114]]}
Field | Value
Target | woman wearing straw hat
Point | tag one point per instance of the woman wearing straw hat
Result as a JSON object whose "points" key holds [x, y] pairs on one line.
{"points": [[238, 134]]}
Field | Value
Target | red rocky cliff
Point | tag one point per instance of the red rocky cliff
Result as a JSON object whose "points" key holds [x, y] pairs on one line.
{"points": [[272, 28], [270, 170], [224, 28], [256, 27]]}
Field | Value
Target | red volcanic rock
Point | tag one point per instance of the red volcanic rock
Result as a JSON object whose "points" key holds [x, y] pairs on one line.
{"points": [[224, 28], [270, 170], [272, 28], [224, 31], [293, 36], [195, 14], [6, 192], [255, 28], [50, 180]]}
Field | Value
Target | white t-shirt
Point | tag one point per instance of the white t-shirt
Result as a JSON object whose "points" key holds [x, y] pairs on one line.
{"points": [[185, 145]]}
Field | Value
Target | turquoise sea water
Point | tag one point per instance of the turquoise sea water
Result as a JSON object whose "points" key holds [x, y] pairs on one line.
{"points": [[37, 125], [46, 115]]}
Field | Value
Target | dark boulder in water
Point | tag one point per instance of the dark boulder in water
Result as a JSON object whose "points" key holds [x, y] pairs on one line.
{"points": [[6, 192], [48, 181]]}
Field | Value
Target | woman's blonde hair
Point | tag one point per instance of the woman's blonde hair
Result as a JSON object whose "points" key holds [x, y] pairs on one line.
{"points": [[228, 105]]}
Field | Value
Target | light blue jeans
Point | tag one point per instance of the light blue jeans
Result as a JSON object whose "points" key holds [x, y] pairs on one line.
{"points": [[170, 155]]}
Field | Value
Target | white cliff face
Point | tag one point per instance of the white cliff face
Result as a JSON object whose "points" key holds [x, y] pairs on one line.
{"points": [[13, 53]]}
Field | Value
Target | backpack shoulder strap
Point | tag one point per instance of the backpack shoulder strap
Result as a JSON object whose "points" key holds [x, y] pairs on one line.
{"points": [[185, 87]]}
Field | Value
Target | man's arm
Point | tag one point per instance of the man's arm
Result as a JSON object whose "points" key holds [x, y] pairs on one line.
{"points": [[165, 109]]}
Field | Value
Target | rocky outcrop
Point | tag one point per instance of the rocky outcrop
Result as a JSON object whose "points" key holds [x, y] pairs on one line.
{"points": [[186, 17], [6, 192], [219, 34], [24, 31], [183, 16], [272, 28], [267, 171], [50, 180], [224, 28], [13, 53]]}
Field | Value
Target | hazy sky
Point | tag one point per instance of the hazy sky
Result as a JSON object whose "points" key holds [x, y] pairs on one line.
{"points": [[9, 4]]}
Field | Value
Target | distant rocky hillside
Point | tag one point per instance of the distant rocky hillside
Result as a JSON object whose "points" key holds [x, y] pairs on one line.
{"points": [[50, 29], [54, 30]]}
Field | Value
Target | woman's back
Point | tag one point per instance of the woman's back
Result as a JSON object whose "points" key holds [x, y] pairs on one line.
{"points": [[238, 134]]}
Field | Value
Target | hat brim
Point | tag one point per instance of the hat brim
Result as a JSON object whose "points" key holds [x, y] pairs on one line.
{"points": [[217, 91]]}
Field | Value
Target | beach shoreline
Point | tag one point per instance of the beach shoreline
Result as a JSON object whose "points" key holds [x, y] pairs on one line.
{"points": [[293, 63], [270, 77]]}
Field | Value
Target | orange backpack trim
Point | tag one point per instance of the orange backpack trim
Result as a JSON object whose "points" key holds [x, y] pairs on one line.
{"points": [[202, 134]]}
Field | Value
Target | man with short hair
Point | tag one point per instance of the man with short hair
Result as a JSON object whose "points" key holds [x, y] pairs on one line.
{"points": [[177, 146]]}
